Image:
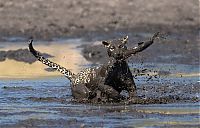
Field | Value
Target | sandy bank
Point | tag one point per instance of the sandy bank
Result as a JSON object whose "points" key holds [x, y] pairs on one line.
{"points": [[66, 56]]}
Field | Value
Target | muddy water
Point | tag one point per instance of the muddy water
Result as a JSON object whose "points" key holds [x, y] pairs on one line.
{"points": [[46, 101]]}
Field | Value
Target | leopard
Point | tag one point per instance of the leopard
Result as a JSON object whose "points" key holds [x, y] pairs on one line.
{"points": [[107, 80]]}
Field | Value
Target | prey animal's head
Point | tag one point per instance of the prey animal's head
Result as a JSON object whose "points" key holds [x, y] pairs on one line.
{"points": [[116, 48]]}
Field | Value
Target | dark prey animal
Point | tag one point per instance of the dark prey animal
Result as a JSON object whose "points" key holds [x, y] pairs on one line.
{"points": [[109, 79], [118, 74]]}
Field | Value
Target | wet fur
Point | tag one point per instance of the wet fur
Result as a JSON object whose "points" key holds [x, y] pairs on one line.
{"points": [[104, 82]]}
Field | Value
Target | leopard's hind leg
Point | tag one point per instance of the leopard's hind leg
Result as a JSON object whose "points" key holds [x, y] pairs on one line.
{"points": [[81, 93], [110, 92], [130, 87]]}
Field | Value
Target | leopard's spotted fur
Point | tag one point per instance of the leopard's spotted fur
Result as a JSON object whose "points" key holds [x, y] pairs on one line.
{"points": [[84, 77], [110, 79], [83, 84]]}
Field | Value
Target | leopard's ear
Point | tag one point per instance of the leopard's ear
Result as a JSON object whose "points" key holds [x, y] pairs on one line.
{"points": [[125, 40], [106, 44]]}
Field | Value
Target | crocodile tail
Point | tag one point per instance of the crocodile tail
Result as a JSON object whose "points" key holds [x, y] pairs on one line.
{"points": [[51, 64]]}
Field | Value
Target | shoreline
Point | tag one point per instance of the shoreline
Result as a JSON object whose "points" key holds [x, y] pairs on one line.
{"points": [[184, 32]]}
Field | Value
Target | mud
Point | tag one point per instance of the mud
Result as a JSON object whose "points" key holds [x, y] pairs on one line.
{"points": [[147, 94], [17, 88], [165, 92], [21, 55], [47, 103]]}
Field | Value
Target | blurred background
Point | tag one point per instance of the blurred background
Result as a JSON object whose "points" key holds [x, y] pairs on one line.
{"points": [[47, 19]]}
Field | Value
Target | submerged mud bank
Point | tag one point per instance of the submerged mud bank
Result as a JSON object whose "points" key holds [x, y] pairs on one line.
{"points": [[20, 55], [147, 94]]}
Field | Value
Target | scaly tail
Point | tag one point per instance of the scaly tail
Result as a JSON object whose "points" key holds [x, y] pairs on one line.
{"points": [[51, 64]]}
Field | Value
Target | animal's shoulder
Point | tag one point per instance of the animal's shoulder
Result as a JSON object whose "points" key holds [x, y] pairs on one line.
{"points": [[87, 75], [89, 70]]}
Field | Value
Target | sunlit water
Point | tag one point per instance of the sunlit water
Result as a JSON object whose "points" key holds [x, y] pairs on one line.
{"points": [[46, 102]]}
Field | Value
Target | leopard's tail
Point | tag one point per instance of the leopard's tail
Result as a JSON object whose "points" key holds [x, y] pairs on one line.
{"points": [[51, 64]]}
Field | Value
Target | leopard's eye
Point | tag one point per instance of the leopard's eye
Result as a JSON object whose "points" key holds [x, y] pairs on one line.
{"points": [[122, 47], [112, 48]]}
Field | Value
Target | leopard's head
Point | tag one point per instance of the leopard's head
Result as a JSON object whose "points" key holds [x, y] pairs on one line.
{"points": [[116, 48]]}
